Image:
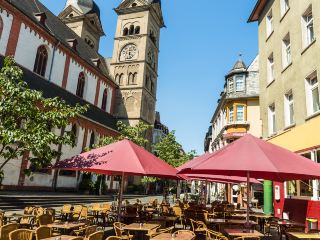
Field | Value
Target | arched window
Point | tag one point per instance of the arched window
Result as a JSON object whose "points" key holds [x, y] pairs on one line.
{"points": [[131, 31], [134, 78], [81, 85], [125, 31], [137, 30], [92, 140], [104, 100], [130, 78], [116, 79], [40, 64], [121, 79]]}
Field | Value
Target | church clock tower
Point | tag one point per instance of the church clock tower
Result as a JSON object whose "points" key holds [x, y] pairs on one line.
{"points": [[134, 63]]}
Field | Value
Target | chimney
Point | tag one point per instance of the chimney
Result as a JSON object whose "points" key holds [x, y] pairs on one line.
{"points": [[96, 62], [41, 17], [73, 43]]}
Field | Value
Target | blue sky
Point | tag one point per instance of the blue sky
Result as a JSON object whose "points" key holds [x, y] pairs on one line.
{"points": [[200, 45]]}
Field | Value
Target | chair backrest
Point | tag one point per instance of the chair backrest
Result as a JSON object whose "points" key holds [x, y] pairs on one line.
{"points": [[118, 228], [113, 238], [43, 232], [76, 238], [45, 219], [66, 207], [39, 211], [77, 209], [193, 224], [6, 229], [96, 236], [213, 235], [177, 210], [90, 230], [21, 234], [106, 206], [28, 210], [84, 212]]}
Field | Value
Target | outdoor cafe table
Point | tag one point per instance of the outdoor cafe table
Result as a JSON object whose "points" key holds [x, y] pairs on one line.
{"points": [[300, 235], [243, 233], [140, 229], [221, 221], [66, 227], [284, 224], [168, 236], [63, 237]]}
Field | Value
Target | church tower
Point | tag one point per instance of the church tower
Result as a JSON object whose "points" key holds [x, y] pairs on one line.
{"points": [[134, 63], [83, 17]]}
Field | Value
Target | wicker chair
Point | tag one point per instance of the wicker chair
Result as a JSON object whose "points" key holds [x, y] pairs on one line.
{"points": [[77, 238], [6, 229], [96, 236], [214, 235], [185, 232], [42, 232], [39, 211], [45, 219], [157, 232], [26, 222], [77, 209], [118, 228], [113, 238], [28, 210], [21, 234], [198, 227]]}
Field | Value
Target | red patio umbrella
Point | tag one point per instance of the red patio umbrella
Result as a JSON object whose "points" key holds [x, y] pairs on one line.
{"points": [[219, 178], [252, 157], [121, 158]]}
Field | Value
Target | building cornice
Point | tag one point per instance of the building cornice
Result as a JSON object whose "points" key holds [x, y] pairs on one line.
{"points": [[257, 10]]}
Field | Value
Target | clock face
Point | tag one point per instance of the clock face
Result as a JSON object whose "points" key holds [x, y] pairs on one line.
{"points": [[129, 52]]}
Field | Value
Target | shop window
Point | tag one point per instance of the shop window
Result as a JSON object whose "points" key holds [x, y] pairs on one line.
{"points": [[35, 169]]}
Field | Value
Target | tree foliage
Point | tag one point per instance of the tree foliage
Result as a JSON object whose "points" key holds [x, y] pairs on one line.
{"points": [[136, 134], [169, 150], [27, 120]]}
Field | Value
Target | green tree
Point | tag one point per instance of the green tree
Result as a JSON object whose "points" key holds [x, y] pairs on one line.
{"points": [[136, 134], [27, 120], [169, 150]]}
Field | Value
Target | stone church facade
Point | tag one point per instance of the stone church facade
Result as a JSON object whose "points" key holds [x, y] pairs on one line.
{"points": [[59, 56]]}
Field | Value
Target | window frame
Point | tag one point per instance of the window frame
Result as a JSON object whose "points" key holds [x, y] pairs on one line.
{"points": [[231, 114], [242, 78], [308, 27], [310, 87], [272, 119], [269, 23], [289, 109], [284, 7], [286, 51], [81, 85], [104, 101], [243, 113], [270, 65], [41, 61]]}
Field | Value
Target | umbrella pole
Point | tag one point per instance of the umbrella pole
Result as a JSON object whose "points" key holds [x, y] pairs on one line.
{"points": [[120, 197], [248, 198]]}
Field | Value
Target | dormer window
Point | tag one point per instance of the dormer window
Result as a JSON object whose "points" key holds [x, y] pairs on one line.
{"points": [[41, 17]]}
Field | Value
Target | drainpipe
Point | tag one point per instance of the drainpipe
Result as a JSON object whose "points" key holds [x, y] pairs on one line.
{"points": [[55, 47]]}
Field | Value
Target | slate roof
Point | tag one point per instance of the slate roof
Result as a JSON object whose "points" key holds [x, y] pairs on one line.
{"points": [[51, 90], [56, 28]]}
